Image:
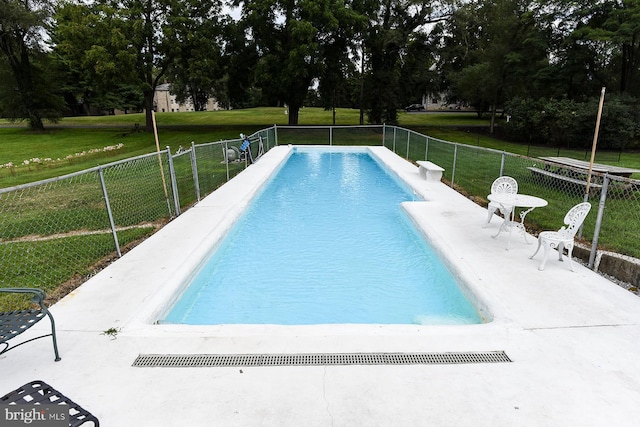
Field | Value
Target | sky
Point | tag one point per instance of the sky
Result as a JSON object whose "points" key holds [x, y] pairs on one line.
{"points": [[234, 12]]}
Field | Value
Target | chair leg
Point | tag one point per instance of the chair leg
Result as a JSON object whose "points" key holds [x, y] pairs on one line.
{"points": [[546, 246], [569, 255], [560, 251], [537, 249], [491, 212], [53, 335]]}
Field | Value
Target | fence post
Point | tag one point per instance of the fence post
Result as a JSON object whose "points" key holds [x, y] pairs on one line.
{"points": [[275, 136], [330, 135], [384, 135], [106, 201], [596, 231], [408, 139], [194, 170], [225, 147], [502, 164], [395, 129], [270, 139], [174, 184], [455, 160], [426, 149]]}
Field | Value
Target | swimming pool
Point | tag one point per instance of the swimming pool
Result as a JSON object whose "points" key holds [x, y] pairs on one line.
{"points": [[325, 242]]}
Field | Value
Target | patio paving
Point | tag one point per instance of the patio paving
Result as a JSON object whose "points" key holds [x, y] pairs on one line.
{"points": [[573, 338]]}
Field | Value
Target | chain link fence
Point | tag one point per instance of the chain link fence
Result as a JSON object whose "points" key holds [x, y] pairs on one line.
{"points": [[62, 230], [612, 225]]}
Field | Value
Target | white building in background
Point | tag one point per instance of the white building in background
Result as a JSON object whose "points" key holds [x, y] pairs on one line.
{"points": [[165, 102], [433, 101]]}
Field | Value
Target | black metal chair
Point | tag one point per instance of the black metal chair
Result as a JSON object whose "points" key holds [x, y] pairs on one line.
{"points": [[41, 393], [13, 323]]}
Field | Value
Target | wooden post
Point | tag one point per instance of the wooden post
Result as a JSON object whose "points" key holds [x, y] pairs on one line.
{"points": [[164, 182], [595, 142]]}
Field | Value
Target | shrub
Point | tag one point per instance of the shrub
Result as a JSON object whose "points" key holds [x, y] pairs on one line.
{"points": [[571, 124]]}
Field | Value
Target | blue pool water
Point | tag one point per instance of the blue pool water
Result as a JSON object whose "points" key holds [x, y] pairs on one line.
{"points": [[325, 242]]}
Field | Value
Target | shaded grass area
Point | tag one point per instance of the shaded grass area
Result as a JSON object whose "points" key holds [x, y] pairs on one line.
{"points": [[51, 263]]}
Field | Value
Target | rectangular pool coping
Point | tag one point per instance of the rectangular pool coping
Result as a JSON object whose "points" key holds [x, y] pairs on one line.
{"points": [[232, 201], [154, 272], [379, 157]]}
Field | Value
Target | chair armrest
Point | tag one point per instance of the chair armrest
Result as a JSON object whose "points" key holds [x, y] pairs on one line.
{"points": [[15, 322], [37, 295]]}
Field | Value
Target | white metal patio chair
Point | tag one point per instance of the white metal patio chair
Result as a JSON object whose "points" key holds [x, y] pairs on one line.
{"points": [[503, 184], [564, 237]]}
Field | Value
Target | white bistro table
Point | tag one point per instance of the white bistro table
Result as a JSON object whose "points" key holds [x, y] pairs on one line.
{"points": [[525, 201]]}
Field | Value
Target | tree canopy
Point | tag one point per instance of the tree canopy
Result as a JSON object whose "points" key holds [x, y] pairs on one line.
{"points": [[295, 38], [514, 56], [120, 50], [27, 89]]}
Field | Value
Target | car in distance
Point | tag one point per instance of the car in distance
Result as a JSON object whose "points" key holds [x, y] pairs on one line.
{"points": [[414, 107]]}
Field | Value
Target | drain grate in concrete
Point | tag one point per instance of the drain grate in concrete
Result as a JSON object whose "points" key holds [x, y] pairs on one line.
{"points": [[316, 359]]}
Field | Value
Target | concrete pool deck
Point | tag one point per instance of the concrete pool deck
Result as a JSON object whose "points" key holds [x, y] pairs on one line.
{"points": [[573, 337]]}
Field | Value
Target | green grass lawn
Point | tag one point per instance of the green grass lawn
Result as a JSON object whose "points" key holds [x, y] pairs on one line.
{"points": [[72, 216], [65, 142], [267, 116], [75, 135]]}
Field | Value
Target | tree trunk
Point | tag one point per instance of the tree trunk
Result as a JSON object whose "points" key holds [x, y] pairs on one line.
{"points": [[362, 85], [148, 110], [20, 65], [294, 111], [35, 122], [493, 117]]}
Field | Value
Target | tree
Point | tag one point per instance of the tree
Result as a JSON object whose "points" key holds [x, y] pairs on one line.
{"points": [[416, 72], [611, 33], [339, 83], [93, 50], [392, 24], [28, 91], [454, 41], [198, 69], [292, 38], [241, 57], [594, 44], [338, 70], [136, 40], [510, 49]]}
